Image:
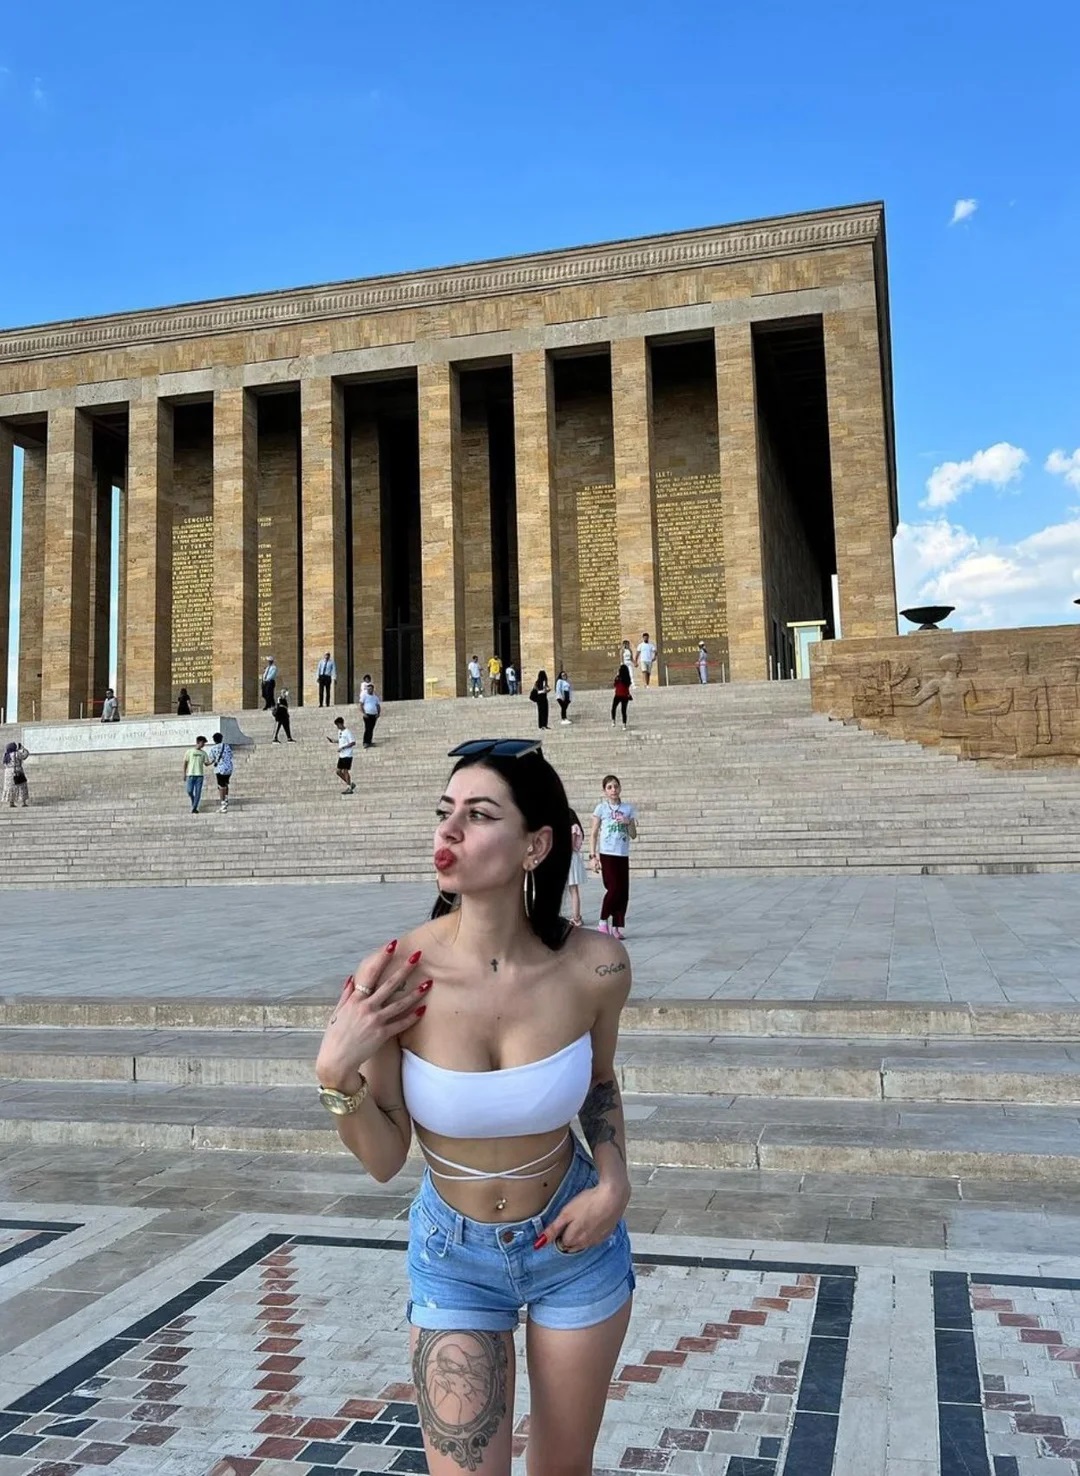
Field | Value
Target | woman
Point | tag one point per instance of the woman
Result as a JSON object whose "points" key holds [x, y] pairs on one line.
{"points": [[539, 695], [280, 714], [519, 1034], [183, 703], [576, 880], [614, 827], [626, 656], [702, 664], [623, 694], [563, 694], [15, 790]]}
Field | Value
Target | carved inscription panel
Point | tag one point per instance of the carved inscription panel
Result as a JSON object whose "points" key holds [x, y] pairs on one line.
{"points": [[266, 586], [192, 601], [690, 552], [598, 568]]}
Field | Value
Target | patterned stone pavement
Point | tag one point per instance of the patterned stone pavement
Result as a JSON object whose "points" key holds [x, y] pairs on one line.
{"points": [[276, 1345]]}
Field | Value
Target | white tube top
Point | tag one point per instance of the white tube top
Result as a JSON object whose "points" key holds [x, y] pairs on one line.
{"points": [[511, 1103]]}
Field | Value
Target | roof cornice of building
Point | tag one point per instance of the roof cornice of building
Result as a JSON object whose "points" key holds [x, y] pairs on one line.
{"points": [[782, 235]]}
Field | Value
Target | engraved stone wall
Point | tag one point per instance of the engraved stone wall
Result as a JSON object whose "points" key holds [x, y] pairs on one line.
{"points": [[279, 592], [1010, 698], [193, 555]]}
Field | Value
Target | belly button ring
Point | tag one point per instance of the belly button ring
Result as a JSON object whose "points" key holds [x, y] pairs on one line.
{"points": [[500, 1204]]}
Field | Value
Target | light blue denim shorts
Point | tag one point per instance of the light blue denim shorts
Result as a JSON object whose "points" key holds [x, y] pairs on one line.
{"points": [[470, 1274]]}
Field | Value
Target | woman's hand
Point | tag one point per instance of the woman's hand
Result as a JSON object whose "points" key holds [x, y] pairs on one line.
{"points": [[587, 1219], [377, 1003], [596, 865]]}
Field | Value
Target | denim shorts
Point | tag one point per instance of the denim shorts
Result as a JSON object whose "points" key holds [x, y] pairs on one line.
{"points": [[473, 1275]]}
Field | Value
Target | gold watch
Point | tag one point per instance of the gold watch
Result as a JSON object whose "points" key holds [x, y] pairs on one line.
{"points": [[340, 1104]]}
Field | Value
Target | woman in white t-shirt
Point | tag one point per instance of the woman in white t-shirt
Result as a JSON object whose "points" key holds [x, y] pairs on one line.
{"points": [[614, 826]]}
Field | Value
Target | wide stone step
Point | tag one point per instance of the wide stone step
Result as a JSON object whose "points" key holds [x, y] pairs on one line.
{"points": [[1021, 1142], [881, 1070]]}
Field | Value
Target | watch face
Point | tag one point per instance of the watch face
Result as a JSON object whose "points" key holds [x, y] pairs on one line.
{"points": [[336, 1102]]}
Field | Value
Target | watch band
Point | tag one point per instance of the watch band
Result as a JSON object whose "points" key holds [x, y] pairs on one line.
{"points": [[343, 1104]]}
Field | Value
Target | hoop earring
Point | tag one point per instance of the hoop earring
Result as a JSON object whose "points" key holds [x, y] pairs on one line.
{"points": [[528, 888]]}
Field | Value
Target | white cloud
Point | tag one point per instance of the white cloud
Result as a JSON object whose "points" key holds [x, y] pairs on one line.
{"points": [[998, 465], [1065, 464], [963, 210], [1030, 582], [38, 94]]}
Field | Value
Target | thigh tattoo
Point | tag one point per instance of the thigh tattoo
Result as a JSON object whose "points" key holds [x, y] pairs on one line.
{"points": [[461, 1392]]}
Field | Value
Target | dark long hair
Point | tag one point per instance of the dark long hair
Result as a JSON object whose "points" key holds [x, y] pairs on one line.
{"points": [[539, 794]]}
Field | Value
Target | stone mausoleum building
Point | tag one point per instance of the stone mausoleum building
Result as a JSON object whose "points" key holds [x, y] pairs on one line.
{"points": [[688, 434]]}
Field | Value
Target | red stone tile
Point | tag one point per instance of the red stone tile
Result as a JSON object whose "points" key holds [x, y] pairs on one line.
{"points": [[98, 1453], [278, 1345], [684, 1439], [640, 1458], [775, 1384], [278, 1447], [697, 1345], [1036, 1424], [276, 1299], [616, 1391], [773, 1304], [738, 1399], [991, 1304], [714, 1419], [1041, 1335], [161, 1371], [804, 1278], [398, 1392], [282, 1329], [280, 1383], [1064, 1448], [1018, 1319], [666, 1358], [723, 1330], [279, 1363], [323, 1429], [792, 1292], [151, 1434], [56, 1468], [1065, 1355], [278, 1401], [154, 1414], [361, 1409], [1007, 1401], [161, 1393], [747, 1318], [640, 1373], [163, 1354], [235, 1466], [788, 1366], [280, 1424]]}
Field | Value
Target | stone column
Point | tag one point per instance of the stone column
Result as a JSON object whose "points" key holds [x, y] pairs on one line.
{"points": [[7, 472], [367, 560], [539, 614], [69, 494], [859, 454], [324, 611], [236, 550], [147, 631], [97, 647], [740, 500], [631, 415], [441, 531], [32, 583]]}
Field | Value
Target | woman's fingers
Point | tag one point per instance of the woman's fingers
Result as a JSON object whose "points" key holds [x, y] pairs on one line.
{"points": [[372, 971], [395, 980]]}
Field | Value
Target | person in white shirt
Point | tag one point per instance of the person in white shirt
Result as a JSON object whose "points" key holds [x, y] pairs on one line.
{"points": [[346, 747], [614, 826], [476, 679], [563, 695], [326, 675], [371, 707], [702, 664], [646, 655], [511, 680], [269, 680]]}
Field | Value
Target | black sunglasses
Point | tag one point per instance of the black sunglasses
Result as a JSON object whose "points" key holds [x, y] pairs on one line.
{"points": [[497, 747]]}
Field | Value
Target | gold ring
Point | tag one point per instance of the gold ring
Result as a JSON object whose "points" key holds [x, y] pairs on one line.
{"points": [[365, 991]]}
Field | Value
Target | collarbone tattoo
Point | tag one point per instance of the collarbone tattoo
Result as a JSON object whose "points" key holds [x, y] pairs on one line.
{"points": [[610, 968]]}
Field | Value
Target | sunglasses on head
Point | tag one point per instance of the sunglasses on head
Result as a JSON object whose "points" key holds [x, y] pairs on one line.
{"points": [[497, 747]]}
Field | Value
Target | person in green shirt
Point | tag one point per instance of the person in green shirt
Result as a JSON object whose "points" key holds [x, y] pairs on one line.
{"points": [[194, 769]]}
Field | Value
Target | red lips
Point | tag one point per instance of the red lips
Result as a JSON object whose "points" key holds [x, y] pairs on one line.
{"points": [[444, 859]]}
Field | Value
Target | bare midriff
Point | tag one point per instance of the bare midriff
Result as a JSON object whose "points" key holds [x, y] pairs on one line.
{"points": [[498, 1200]]}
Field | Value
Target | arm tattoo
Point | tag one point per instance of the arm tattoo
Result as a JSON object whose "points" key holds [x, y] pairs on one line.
{"points": [[461, 1392], [612, 968], [603, 1098]]}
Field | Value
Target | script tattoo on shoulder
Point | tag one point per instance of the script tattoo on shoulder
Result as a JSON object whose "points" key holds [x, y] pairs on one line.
{"points": [[613, 968], [461, 1393], [595, 1123]]}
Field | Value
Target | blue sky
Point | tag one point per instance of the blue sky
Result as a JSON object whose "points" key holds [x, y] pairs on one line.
{"points": [[153, 155]]}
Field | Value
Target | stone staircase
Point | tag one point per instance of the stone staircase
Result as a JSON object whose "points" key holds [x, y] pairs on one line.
{"points": [[944, 1091], [739, 779]]}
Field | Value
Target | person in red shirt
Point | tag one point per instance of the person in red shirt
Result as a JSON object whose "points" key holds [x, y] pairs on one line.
{"points": [[623, 696]]}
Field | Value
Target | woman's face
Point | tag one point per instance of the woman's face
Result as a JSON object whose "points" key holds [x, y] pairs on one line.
{"points": [[480, 840], [613, 790]]}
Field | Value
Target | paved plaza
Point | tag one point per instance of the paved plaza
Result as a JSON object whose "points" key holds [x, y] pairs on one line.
{"points": [[1006, 940]]}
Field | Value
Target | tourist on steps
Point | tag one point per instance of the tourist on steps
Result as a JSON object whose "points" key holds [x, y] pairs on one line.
{"points": [[476, 679], [511, 680], [267, 683], [702, 664], [494, 675], [326, 676], [221, 756], [371, 707], [280, 714], [646, 656], [488, 1030], [614, 826], [623, 695], [194, 772], [346, 748], [564, 694], [16, 790], [539, 695]]}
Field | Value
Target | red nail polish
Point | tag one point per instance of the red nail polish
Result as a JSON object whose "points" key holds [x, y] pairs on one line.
{"points": [[414, 958], [391, 945], [349, 982], [426, 985], [421, 1009], [539, 1244]]}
